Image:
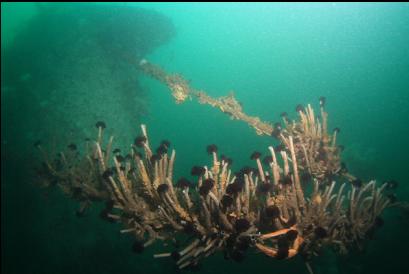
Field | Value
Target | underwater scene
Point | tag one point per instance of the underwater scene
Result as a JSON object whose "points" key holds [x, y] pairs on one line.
{"points": [[204, 137]]}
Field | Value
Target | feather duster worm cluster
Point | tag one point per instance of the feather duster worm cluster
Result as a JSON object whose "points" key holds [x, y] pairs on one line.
{"points": [[296, 199]]}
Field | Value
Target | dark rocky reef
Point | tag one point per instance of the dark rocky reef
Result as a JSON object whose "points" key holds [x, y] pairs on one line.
{"points": [[73, 64]]}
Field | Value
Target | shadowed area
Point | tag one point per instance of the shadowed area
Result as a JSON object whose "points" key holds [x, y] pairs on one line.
{"points": [[65, 68]]}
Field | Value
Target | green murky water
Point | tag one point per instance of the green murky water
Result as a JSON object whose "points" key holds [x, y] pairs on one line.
{"points": [[64, 67]]}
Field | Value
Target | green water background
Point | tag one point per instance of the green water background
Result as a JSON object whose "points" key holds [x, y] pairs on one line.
{"points": [[273, 56]]}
